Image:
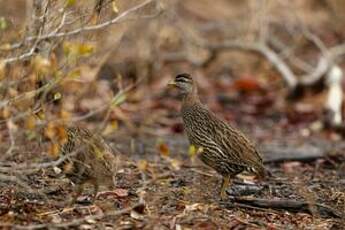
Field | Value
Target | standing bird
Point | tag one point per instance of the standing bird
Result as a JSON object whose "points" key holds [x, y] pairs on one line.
{"points": [[88, 159], [218, 145]]}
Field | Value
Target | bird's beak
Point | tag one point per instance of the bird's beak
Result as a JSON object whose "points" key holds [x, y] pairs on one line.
{"points": [[172, 83]]}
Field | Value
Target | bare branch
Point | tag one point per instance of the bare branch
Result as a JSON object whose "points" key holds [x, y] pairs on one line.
{"points": [[262, 49], [292, 80], [55, 34], [334, 100]]}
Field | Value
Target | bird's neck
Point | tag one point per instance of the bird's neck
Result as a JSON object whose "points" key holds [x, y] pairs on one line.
{"points": [[191, 98]]}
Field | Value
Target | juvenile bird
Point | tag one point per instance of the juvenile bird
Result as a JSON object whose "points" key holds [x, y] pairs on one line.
{"points": [[88, 159], [219, 145]]}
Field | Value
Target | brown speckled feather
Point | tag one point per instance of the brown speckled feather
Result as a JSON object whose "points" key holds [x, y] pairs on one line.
{"points": [[225, 148], [222, 144], [90, 158]]}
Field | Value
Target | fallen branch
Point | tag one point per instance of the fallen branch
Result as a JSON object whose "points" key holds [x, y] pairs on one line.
{"points": [[287, 205], [305, 153], [326, 60]]}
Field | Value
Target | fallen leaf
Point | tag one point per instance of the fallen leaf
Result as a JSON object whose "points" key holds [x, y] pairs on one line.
{"points": [[5, 46], [2, 69], [57, 170], [119, 192], [30, 122], [12, 126], [49, 131], [40, 114], [56, 219], [90, 221], [87, 226], [74, 73], [291, 167], [54, 150], [163, 149], [247, 84], [142, 165], [110, 127], [114, 6], [6, 112], [192, 207], [65, 115], [176, 164], [70, 2], [41, 64], [135, 215], [61, 134]]}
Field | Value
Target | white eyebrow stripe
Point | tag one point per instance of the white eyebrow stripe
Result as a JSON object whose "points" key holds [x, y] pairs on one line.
{"points": [[183, 79]]}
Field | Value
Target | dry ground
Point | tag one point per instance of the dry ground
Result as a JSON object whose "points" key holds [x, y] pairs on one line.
{"points": [[169, 190]]}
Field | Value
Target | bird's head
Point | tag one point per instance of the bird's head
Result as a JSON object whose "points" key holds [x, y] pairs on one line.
{"points": [[184, 83]]}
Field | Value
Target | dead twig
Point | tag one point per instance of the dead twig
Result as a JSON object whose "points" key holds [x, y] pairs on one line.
{"points": [[288, 205], [57, 34]]}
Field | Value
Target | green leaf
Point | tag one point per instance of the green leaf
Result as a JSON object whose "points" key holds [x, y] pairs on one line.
{"points": [[3, 23], [97, 151], [67, 48], [74, 50], [85, 49], [119, 99], [70, 2], [31, 135], [74, 73], [57, 96]]}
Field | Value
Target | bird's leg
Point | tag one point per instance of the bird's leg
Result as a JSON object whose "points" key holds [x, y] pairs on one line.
{"points": [[225, 184]]}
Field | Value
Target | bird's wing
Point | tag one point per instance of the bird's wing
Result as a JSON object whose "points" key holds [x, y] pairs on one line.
{"points": [[235, 144], [247, 147]]}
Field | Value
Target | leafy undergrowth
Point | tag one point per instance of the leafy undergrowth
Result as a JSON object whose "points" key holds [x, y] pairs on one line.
{"points": [[160, 186]]}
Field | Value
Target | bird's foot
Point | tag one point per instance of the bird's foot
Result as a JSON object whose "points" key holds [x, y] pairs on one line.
{"points": [[225, 184]]}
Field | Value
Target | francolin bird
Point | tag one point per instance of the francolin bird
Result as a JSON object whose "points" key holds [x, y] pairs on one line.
{"points": [[219, 145], [88, 159]]}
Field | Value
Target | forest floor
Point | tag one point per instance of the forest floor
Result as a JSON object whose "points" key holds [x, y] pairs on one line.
{"points": [[160, 186]]}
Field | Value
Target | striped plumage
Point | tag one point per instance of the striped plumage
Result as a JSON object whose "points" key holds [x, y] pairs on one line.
{"points": [[89, 159], [221, 146]]}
